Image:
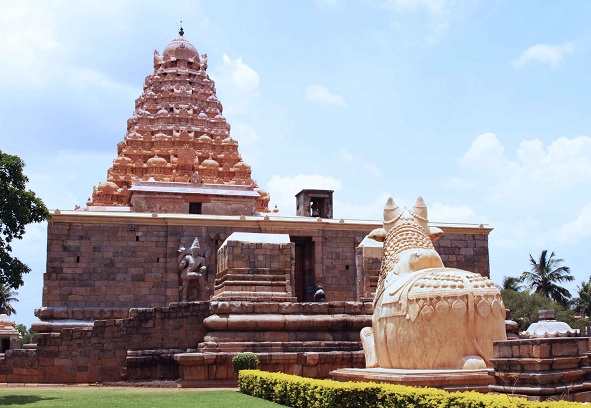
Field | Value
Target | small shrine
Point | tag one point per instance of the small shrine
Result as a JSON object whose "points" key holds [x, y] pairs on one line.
{"points": [[9, 335], [177, 155]]}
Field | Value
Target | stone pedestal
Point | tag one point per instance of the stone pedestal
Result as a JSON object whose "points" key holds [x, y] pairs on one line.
{"points": [[542, 369], [267, 327], [206, 370], [256, 267], [450, 380], [309, 339]]}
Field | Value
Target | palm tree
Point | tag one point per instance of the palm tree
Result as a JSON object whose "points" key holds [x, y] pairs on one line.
{"points": [[7, 295], [582, 304], [512, 283], [546, 275]]}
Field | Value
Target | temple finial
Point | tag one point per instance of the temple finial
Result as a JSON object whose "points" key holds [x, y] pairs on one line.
{"points": [[181, 31]]}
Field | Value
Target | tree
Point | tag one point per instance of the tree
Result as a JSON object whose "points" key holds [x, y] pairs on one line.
{"points": [[28, 335], [512, 283], [7, 295], [18, 207], [545, 276], [525, 307], [582, 304]]}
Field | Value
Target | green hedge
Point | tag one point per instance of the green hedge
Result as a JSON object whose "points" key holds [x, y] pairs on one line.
{"points": [[245, 361], [300, 392]]}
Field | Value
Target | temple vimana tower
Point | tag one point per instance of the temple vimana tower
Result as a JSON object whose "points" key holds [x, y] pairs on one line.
{"points": [[178, 155], [176, 263]]}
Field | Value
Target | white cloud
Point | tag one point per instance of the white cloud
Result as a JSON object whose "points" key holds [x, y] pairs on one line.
{"points": [[485, 151], [238, 84], [248, 140], [283, 189], [345, 156], [27, 40], [82, 79], [372, 210], [323, 96], [373, 170], [57, 178], [577, 230], [439, 212], [544, 53], [538, 173]]}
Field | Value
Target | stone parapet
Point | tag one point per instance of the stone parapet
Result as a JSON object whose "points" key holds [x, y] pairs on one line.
{"points": [[543, 368], [99, 352], [81, 313], [200, 369]]}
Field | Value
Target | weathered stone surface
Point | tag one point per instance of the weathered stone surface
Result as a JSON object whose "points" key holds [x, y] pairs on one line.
{"points": [[427, 316], [543, 368]]}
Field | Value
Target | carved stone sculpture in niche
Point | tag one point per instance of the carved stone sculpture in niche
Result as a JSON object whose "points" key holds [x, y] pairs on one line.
{"points": [[192, 268], [427, 316]]}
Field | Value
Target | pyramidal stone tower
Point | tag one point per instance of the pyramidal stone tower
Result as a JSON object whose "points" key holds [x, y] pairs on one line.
{"points": [[177, 155]]}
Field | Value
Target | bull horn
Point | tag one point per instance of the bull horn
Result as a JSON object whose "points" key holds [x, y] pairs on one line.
{"points": [[419, 208], [391, 210]]}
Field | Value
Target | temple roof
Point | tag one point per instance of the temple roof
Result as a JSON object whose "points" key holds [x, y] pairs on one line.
{"points": [[177, 131], [180, 48]]}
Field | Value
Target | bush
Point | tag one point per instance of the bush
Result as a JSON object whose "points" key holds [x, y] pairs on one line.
{"points": [[300, 392], [245, 361], [525, 307]]}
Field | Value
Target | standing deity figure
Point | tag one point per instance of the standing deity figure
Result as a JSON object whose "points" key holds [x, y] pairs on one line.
{"points": [[192, 268], [427, 316]]}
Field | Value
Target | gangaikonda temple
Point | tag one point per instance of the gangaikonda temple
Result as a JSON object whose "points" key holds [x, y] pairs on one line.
{"points": [[177, 263]]}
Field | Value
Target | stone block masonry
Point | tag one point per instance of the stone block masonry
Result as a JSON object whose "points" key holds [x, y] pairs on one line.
{"points": [[111, 292], [103, 264], [543, 369], [100, 353], [255, 267]]}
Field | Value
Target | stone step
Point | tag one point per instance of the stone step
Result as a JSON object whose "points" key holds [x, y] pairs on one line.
{"points": [[548, 378], [539, 364], [279, 347], [283, 336]]}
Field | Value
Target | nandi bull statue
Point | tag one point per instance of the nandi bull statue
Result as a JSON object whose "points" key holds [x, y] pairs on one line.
{"points": [[427, 316]]}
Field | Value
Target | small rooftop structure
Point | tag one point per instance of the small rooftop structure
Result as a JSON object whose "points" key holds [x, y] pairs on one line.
{"points": [[314, 203]]}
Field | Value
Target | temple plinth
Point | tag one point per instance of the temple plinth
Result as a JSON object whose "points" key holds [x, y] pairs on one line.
{"points": [[177, 155]]}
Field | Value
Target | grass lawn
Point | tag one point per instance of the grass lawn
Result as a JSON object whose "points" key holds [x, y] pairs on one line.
{"points": [[99, 397]]}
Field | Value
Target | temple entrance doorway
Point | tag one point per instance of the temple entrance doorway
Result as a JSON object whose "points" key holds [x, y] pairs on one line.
{"points": [[304, 276]]}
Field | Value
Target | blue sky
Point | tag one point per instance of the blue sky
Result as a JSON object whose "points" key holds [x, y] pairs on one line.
{"points": [[481, 107]]}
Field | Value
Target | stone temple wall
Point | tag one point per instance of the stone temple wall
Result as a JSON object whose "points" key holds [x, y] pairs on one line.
{"points": [[99, 266], [104, 352], [111, 296]]}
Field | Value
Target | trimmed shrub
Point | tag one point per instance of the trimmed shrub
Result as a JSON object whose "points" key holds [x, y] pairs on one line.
{"points": [[301, 392], [245, 361]]}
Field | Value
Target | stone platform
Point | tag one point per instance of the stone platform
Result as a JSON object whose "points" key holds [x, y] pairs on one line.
{"points": [[543, 368], [203, 369], [449, 380]]}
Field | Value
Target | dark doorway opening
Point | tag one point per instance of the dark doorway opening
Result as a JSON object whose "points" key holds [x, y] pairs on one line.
{"points": [[5, 345], [304, 274], [195, 208]]}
